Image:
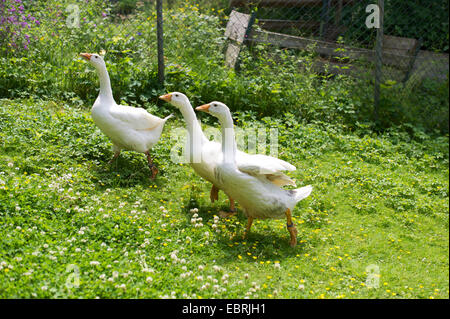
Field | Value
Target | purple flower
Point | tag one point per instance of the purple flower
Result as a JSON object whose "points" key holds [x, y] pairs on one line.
{"points": [[37, 22], [104, 14]]}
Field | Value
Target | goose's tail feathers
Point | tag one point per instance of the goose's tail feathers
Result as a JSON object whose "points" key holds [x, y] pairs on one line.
{"points": [[302, 193], [167, 117]]}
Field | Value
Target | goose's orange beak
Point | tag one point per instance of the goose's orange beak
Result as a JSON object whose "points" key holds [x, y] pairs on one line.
{"points": [[203, 108], [166, 97], [87, 56]]}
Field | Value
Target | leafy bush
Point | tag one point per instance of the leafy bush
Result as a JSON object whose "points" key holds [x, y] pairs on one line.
{"points": [[269, 82]]}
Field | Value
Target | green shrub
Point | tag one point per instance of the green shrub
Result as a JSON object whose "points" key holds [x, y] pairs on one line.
{"points": [[269, 82]]}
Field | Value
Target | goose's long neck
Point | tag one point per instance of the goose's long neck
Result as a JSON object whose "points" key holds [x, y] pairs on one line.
{"points": [[195, 134], [228, 139], [190, 118], [105, 84]]}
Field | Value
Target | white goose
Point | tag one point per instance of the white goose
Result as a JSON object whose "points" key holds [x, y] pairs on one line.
{"points": [[205, 154], [254, 191], [129, 128]]}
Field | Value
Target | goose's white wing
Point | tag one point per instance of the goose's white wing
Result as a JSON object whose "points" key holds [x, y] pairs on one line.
{"points": [[272, 168], [256, 165], [134, 117]]}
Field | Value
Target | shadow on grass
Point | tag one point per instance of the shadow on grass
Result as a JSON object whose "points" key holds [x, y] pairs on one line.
{"points": [[127, 171], [260, 244]]}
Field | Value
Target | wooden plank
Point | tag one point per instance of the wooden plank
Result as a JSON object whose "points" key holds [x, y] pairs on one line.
{"points": [[326, 48], [231, 55], [333, 31], [319, 46], [281, 3], [399, 45], [237, 26], [273, 25], [431, 65]]}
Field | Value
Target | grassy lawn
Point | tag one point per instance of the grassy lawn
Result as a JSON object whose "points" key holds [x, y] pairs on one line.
{"points": [[74, 227]]}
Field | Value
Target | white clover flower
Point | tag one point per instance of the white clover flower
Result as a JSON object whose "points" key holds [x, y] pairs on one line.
{"points": [[277, 265], [94, 263], [201, 267], [149, 279]]}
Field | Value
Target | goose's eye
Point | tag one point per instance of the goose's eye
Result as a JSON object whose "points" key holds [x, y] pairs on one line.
{"points": [[176, 95], [96, 56]]}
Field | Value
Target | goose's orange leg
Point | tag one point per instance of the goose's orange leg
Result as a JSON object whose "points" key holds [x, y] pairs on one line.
{"points": [[152, 166], [214, 194], [232, 211], [291, 228], [249, 225]]}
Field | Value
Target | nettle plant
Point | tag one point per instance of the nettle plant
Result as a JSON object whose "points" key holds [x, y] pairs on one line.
{"points": [[15, 26]]}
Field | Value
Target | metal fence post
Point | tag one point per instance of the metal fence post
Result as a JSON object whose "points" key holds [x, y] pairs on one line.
{"points": [[378, 60], [160, 34]]}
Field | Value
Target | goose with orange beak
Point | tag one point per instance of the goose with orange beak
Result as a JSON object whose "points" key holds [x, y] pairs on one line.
{"points": [[253, 190], [129, 128], [205, 154]]}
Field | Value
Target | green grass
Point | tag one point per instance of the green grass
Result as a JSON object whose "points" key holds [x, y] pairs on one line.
{"points": [[377, 200]]}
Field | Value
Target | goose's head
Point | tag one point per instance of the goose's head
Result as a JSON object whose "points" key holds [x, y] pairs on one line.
{"points": [[177, 99], [94, 59], [217, 109]]}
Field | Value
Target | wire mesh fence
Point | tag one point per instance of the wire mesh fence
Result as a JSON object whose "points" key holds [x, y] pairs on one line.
{"points": [[338, 36], [344, 34]]}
